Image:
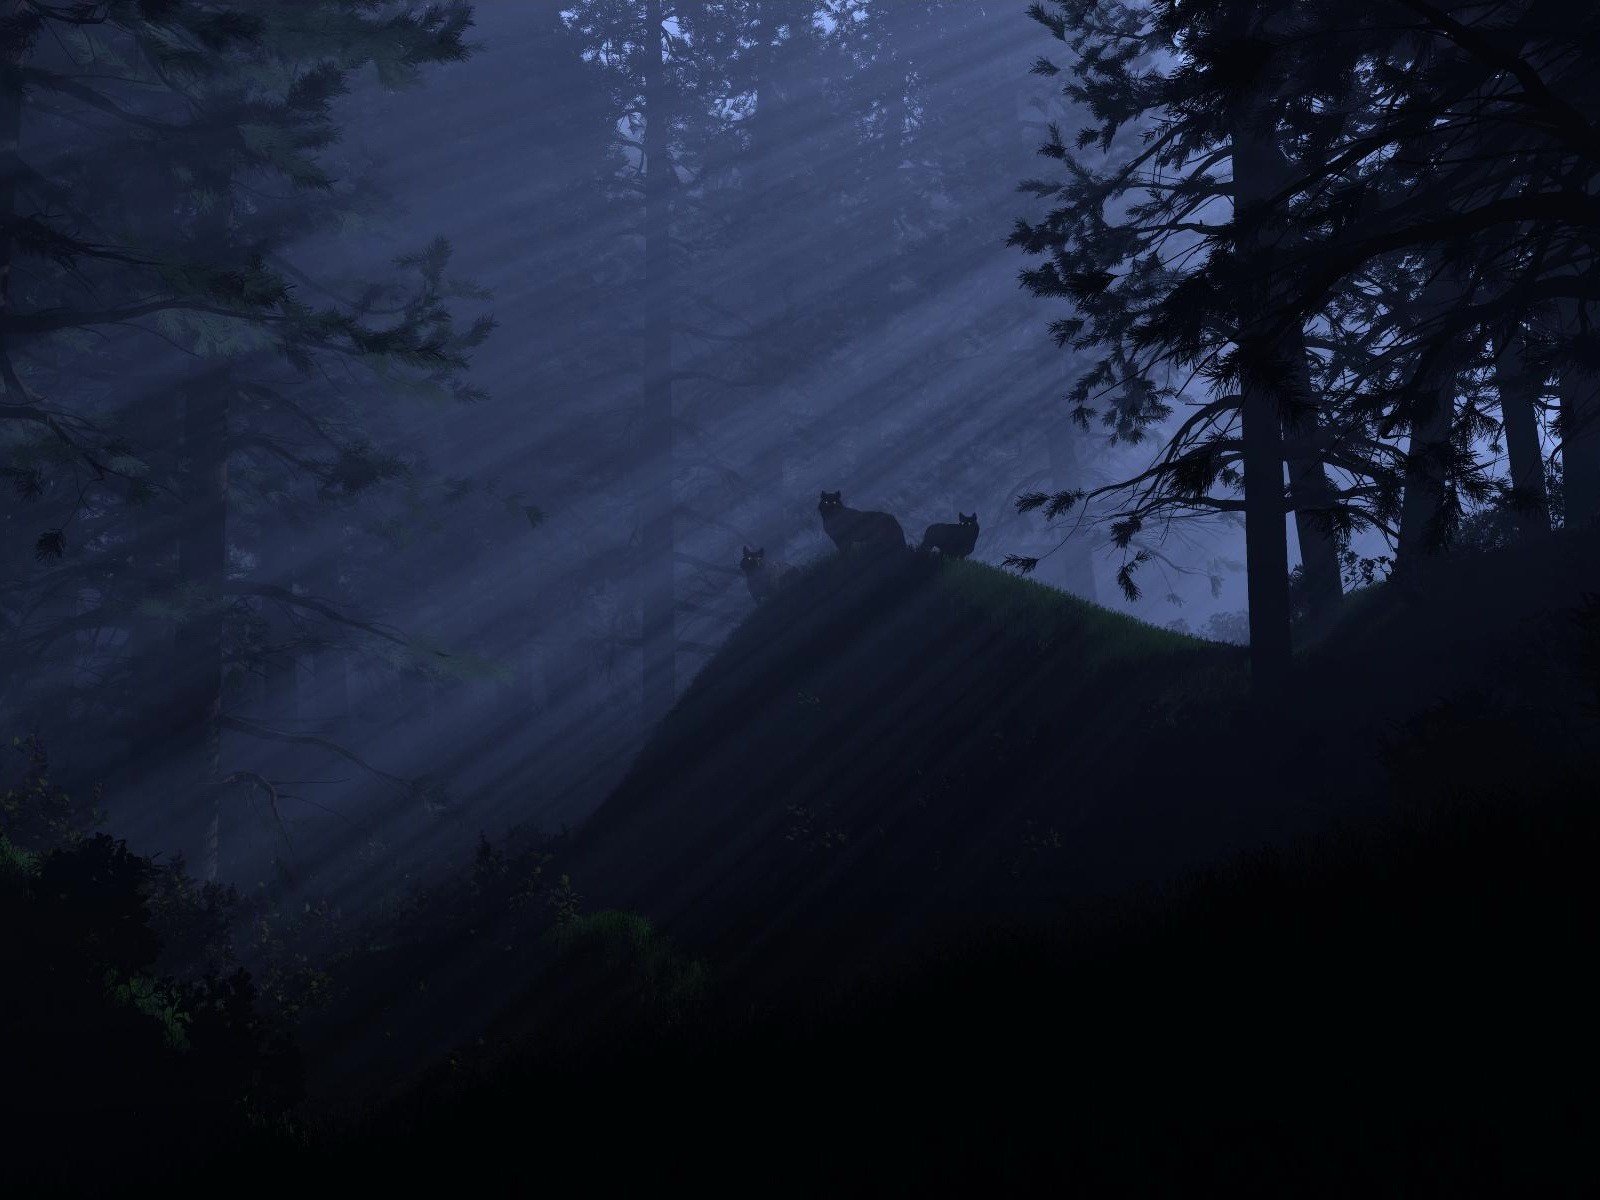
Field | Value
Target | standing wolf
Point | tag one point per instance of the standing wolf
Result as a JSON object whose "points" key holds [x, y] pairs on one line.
{"points": [[763, 578], [952, 541], [876, 531]]}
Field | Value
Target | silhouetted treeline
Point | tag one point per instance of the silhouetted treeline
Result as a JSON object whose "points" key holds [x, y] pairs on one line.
{"points": [[1339, 260]]}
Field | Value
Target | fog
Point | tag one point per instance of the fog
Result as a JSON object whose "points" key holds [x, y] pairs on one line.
{"points": [[456, 649]]}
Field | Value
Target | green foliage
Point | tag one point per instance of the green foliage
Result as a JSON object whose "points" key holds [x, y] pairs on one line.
{"points": [[93, 1024], [295, 952], [1405, 1005], [667, 985], [1049, 617], [34, 811], [199, 142]]}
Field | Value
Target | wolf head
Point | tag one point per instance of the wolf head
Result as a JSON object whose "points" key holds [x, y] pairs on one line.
{"points": [[752, 558], [830, 502]]}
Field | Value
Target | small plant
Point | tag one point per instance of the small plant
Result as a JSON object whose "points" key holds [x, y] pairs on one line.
{"points": [[35, 813], [565, 903]]}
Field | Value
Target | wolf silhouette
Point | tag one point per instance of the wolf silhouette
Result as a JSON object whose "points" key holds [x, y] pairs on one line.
{"points": [[763, 578], [852, 527], [952, 541]]}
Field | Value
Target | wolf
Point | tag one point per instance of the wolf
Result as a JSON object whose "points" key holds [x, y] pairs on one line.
{"points": [[952, 541], [852, 527], [763, 578]]}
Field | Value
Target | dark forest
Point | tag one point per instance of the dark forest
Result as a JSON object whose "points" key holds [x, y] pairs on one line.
{"points": [[799, 596]]}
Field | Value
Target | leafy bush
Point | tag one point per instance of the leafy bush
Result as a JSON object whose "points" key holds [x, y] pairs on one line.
{"points": [[95, 1028], [35, 814], [648, 975]]}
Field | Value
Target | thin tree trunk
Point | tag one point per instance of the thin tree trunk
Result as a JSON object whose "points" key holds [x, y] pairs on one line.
{"points": [[1036, 107], [1076, 569], [1311, 496], [1267, 366], [1422, 508], [281, 695], [1519, 386], [202, 565], [153, 529], [1424, 517], [659, 617], [1580, 425], [11, 99], [767, 134], [331, 665]]}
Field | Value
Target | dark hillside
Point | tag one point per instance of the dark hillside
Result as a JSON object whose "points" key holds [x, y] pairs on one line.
{"points": [[880, 746], [1394, 1004], [886, 739], [890, 759], [1395, 1012]]}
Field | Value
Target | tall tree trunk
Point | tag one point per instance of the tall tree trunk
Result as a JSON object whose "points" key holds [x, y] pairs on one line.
{"points": [[659, 617], [1036, 107], [281, 693], [196, 729], [1075, 573], [1267, 368], [11, 99], [330, 665], [1311, 496], [1424, 519], [1580, 424], [1519, 385], [771, 132], [153, 530]]}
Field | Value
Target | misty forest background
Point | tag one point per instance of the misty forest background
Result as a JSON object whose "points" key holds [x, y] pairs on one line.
{"points": [[378, 455], [292, 535], [390, 389]]}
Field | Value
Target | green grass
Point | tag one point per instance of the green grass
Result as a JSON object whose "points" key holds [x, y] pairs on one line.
{"points": [[886, 738], [890, 747], [959, 778], [1403, 1011], [1048, 616]]}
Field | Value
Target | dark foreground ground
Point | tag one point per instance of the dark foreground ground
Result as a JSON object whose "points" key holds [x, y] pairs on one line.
{"points": [[946, 884]]}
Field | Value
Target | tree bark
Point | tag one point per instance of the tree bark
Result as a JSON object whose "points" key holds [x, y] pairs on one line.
{"points": [[1310, 496], [771, 130], [196, 729], [11, 99], [1423, 530], [1267, 364], [281, 693], [1580, 425], [658, 609], [1075, 573], [1519, 387]]}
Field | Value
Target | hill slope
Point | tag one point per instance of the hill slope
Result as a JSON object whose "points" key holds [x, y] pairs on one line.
{"points": [[886, 741], [884, 749]]}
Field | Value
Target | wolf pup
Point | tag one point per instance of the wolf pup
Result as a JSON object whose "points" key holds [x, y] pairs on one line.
{"points": [[762, 577], [851, 527], [952, 541]]}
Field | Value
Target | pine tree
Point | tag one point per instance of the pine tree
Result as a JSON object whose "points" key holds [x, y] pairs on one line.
{"points": [[1424, 157], [166, 206]]}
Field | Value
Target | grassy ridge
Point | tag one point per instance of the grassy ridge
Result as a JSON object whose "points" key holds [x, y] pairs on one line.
{"points": [[1400, 1012], [889, 746], [888, 739], [1397, 1005]]}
